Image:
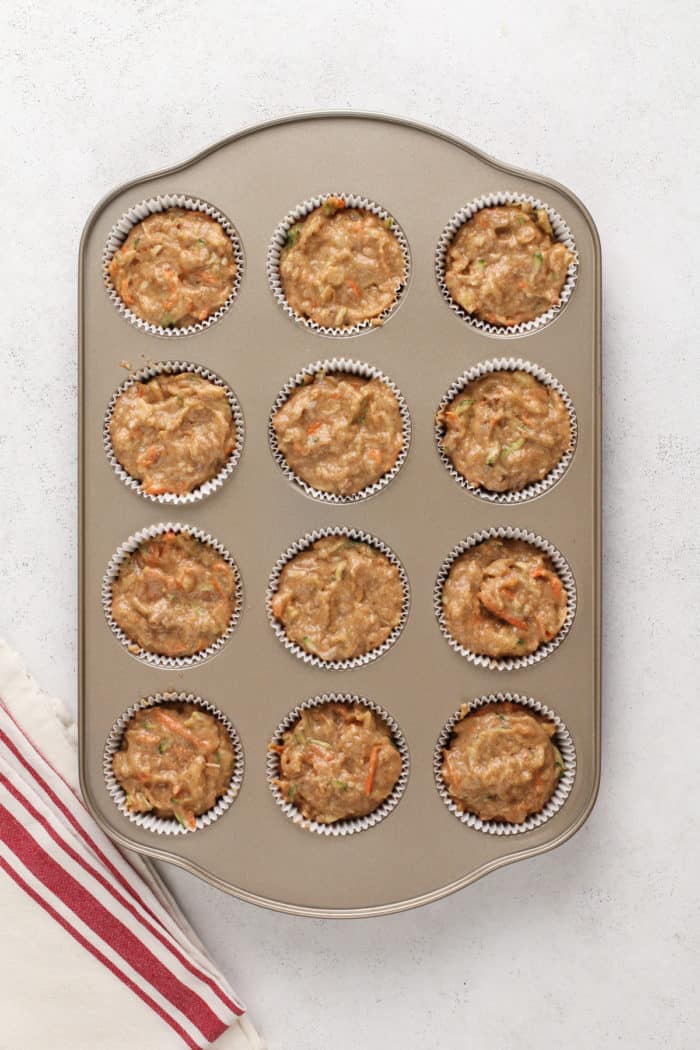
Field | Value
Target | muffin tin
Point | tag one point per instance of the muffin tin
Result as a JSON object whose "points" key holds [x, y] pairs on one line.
{"points": [[419, 851]]}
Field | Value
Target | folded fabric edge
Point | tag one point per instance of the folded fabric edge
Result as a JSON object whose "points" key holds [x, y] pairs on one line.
{"points": [[242, 1036], [44, 718]]}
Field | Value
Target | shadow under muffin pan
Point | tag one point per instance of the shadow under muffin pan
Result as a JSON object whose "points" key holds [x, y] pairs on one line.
{"points": [[206, 488], [254, 848], [338, 366]]}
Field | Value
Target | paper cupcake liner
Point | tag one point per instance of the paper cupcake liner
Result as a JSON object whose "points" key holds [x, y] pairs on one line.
{"points": [[168, 825], [562, 740], [561, 233], [207, 487], [535, 488], [508, 663], [113, 569], [278, 242], [303, 544], [356, 824], [136, 214], [339, 365]]}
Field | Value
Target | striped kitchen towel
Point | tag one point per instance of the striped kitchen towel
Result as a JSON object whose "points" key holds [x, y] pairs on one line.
{"points": [[95, 951]]}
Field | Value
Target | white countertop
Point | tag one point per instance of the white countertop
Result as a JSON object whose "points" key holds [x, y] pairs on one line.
{"points": [[594, 944]]}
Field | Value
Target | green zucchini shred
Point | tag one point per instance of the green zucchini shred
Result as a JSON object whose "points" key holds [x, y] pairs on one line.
{"points": [[513, 447]]}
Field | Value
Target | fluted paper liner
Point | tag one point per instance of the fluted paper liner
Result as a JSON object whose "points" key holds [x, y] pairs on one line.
{"points": [[340, 365], [353, 825], [278, 242], [113, 569], [207, 487], [508, 663], [136, 214], [535, 488], [562, 740], [168, 825], [561, 232], [303, 544]]}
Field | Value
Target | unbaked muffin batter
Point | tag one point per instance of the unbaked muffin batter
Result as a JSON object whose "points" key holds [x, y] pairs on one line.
{"points": [[341, 266], [505, 431], [504, 265], [340, 433], [174, 595], [503, 598], [173, 432], [339, 599], [175, 268], [175, 760], [338, 761], [501, 763]]}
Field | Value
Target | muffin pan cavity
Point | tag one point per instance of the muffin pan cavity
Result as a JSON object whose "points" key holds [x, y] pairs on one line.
{"points": [[560, 233], [349, 826], [281, 239], [561, 739], [157, 205], [149, 820], [340, 367], [535, 487], [211, 484]]}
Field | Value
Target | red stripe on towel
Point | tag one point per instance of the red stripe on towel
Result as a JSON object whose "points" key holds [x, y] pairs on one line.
{"points": [[99, 956], [120, 938], [110, 889]]}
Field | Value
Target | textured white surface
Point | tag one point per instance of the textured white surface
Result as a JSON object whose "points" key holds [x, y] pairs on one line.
{"points": [[595, 944]]}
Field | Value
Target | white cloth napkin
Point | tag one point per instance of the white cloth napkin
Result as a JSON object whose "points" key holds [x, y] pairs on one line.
{"points": [[95, 952]]}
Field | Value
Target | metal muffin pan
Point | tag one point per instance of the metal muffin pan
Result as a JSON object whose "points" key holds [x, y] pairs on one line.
{"points": [[419, 853]]}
